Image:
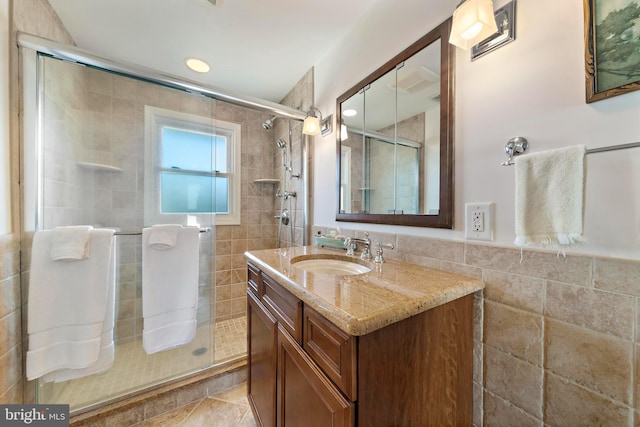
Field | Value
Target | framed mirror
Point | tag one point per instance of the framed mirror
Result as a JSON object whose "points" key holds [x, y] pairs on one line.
{"points": [[395, 139]]}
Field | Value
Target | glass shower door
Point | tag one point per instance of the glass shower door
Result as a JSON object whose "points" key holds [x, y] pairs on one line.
{"points": [[92, 172]]}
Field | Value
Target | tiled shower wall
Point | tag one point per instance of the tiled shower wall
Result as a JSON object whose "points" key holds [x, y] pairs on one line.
{"points": [[38, 18], [113, 134], [557, 338], [11, 381], [300, 98]]}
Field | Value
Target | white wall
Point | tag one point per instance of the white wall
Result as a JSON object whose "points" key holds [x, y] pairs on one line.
{"points": [[532, 87], [5, 170]]}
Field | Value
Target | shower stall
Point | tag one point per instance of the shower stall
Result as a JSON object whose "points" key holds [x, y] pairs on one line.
{"points": [[121, 147]]}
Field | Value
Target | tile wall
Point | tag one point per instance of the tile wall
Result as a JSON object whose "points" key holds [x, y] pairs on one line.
{"points": [[557, 338], [38, 18], [11, 382]]}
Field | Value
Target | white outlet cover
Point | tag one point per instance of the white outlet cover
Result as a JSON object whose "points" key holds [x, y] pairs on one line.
{"points": [[486, 209]]}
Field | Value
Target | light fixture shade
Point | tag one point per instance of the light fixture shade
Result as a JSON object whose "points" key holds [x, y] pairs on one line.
{"points": [[473, 21], [311, 125], [344, 135]]}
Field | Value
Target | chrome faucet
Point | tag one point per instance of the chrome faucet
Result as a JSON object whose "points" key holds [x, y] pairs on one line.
{"points": [[379, 259], [352, 242]]}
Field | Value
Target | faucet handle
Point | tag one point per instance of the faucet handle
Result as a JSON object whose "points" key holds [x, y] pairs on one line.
{"points": [[379, 258]]}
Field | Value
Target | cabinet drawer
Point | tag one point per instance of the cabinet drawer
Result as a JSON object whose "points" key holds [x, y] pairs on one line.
{"points": [[333, 350], [254, 279], [284, 306]]}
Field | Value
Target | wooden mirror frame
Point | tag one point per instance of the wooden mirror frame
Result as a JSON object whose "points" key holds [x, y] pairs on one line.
{"points": [[444, 219]]}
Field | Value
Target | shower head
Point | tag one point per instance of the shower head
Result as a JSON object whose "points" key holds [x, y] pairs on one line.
{"points": [[281, 143], [268, 124]]}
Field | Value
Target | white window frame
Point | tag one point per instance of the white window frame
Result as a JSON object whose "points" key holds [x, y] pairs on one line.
{"points": [[157, 118]]}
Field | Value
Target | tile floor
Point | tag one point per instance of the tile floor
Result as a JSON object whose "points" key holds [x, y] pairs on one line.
{"points": [[133, 369], [229, 408]]}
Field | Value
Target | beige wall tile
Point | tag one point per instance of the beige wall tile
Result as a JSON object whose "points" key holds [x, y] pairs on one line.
{"points": [[636, 378], [525, 293], [419, 260], [9, 295], [501, 413], [593, 360], [477, 404], [601, 311], [514, 380], [10, 332], [465, 270], [431, 248], [567, 404], [617, 275], [10, 368], [545, 265], [513, 331]]}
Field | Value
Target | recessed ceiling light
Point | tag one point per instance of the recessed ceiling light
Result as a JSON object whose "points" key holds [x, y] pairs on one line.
{"points": [[349, 113], [197, 65]]}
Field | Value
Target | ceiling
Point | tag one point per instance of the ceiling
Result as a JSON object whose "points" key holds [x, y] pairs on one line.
{"points": [[254, 47]]}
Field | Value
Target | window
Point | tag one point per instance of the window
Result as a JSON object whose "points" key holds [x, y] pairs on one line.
{"points": [[192, 168]]}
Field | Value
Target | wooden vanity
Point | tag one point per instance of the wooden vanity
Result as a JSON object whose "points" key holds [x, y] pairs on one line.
{"points": [[392, 347]]}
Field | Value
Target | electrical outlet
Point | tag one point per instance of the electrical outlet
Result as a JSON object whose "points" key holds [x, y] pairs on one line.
{"points": [[478, 221]]}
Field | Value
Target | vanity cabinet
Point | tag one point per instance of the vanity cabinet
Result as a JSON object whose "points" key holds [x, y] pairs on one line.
{"points": [[305, 371]]}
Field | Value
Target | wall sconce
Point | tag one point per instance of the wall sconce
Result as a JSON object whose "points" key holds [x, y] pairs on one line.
{"points": [[312, 122], [477, 27], [473, 21], [314, 125]]}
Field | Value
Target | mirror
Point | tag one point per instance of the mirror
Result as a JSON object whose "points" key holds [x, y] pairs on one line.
{"points": [[395, 139]]}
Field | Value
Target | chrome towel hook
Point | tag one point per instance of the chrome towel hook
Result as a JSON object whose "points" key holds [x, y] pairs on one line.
{"points": [[515, 147]]}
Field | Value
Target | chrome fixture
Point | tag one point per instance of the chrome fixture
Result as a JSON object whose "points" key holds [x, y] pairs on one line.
{"points": [[379, 259], [268, 124], [283, 217], [518, 145], [84, 57], [326, 125], [515, 147], [351, 244], [288, 194], [280, 142], [506, 20]]}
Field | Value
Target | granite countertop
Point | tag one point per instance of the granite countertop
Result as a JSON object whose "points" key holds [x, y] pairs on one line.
{"points": [[362, 303]]}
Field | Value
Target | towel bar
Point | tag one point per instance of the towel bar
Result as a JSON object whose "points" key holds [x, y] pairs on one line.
{"points": [[138, 233], [519, 145]]}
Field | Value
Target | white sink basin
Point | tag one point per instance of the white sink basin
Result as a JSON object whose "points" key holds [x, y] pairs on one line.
{"points": [[331, 266]]}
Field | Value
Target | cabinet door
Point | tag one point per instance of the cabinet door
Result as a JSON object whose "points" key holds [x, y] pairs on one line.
{"points": [[262, 360], [306, 397]]}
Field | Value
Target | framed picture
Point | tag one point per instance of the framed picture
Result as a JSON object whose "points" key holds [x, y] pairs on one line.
{"points": [[612, 47]]}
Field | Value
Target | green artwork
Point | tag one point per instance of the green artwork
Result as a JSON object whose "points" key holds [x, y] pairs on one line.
{"points": [[617, 43]]}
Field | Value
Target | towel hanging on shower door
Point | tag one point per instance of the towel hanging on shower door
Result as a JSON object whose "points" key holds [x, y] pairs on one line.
{"points": [[71, 306], [170, 263]]}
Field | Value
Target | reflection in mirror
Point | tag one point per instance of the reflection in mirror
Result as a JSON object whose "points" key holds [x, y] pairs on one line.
{"points": [[395, 139]]}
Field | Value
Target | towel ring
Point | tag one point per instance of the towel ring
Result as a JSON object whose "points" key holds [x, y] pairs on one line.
{"points": [[515, 147]]}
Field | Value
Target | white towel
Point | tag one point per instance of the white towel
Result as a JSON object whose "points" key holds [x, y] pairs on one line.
{"points": [[71, 243], [164, 236], [550, 197], [70, 311], [170, 290], [106, 354]]}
